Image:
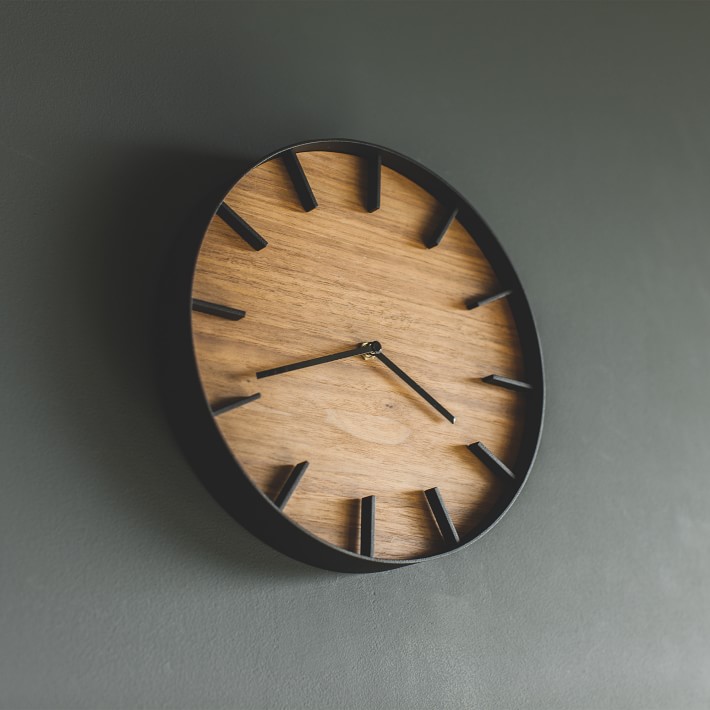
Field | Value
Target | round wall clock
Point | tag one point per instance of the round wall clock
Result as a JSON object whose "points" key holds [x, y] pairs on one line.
{"points": [[353, 368]]}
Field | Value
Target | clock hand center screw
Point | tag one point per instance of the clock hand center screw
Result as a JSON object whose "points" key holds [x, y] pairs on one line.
{"points": [[375, 349]]}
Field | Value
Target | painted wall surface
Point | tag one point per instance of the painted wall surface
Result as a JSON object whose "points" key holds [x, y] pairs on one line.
{"points": [[582, 134]]}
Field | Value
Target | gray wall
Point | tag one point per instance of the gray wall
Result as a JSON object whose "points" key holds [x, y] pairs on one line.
{"points": [[582, 134]]}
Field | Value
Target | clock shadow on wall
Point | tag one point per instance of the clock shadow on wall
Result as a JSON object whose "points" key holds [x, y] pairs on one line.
{"points": [[129, 225], [422, 280], [130, 218]]}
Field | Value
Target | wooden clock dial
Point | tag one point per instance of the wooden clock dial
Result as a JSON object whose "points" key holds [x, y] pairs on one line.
{"points": [[316, 252]]}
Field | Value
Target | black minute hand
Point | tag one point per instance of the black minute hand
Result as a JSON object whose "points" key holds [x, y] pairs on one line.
{"points": [[419, 390], [366, 349]]}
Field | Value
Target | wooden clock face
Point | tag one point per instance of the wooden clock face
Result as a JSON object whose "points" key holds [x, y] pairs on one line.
{"points": [[363, 359]]}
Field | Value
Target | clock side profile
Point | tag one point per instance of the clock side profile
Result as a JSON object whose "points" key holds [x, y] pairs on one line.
{"points": [[355, 373]]}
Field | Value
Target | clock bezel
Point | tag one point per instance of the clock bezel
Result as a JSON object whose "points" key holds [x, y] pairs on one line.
{"points": [[194, 423]]}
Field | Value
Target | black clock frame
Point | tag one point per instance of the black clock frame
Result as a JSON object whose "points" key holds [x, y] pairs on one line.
{"points": [[193, 421]]}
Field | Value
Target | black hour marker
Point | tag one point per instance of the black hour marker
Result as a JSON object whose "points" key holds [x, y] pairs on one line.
{"points": [[374, 181], [435, 239], [234, 403], [507, 383], [477, 302], [294, 478], [247, 233], [217, 309], [441, 515], [491, 461], [299, 180], [367, 526]]}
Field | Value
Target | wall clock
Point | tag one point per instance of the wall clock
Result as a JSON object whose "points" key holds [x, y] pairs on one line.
{"points": [[352, 366]]}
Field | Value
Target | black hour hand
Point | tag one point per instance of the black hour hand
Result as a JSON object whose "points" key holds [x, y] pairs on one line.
{"points": [[417, 388]]}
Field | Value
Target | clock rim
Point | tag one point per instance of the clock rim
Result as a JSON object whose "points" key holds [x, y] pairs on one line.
{"points": [[194, 425]]}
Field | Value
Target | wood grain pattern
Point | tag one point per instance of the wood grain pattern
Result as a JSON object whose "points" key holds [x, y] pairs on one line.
{"points": [[329, 280]]}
